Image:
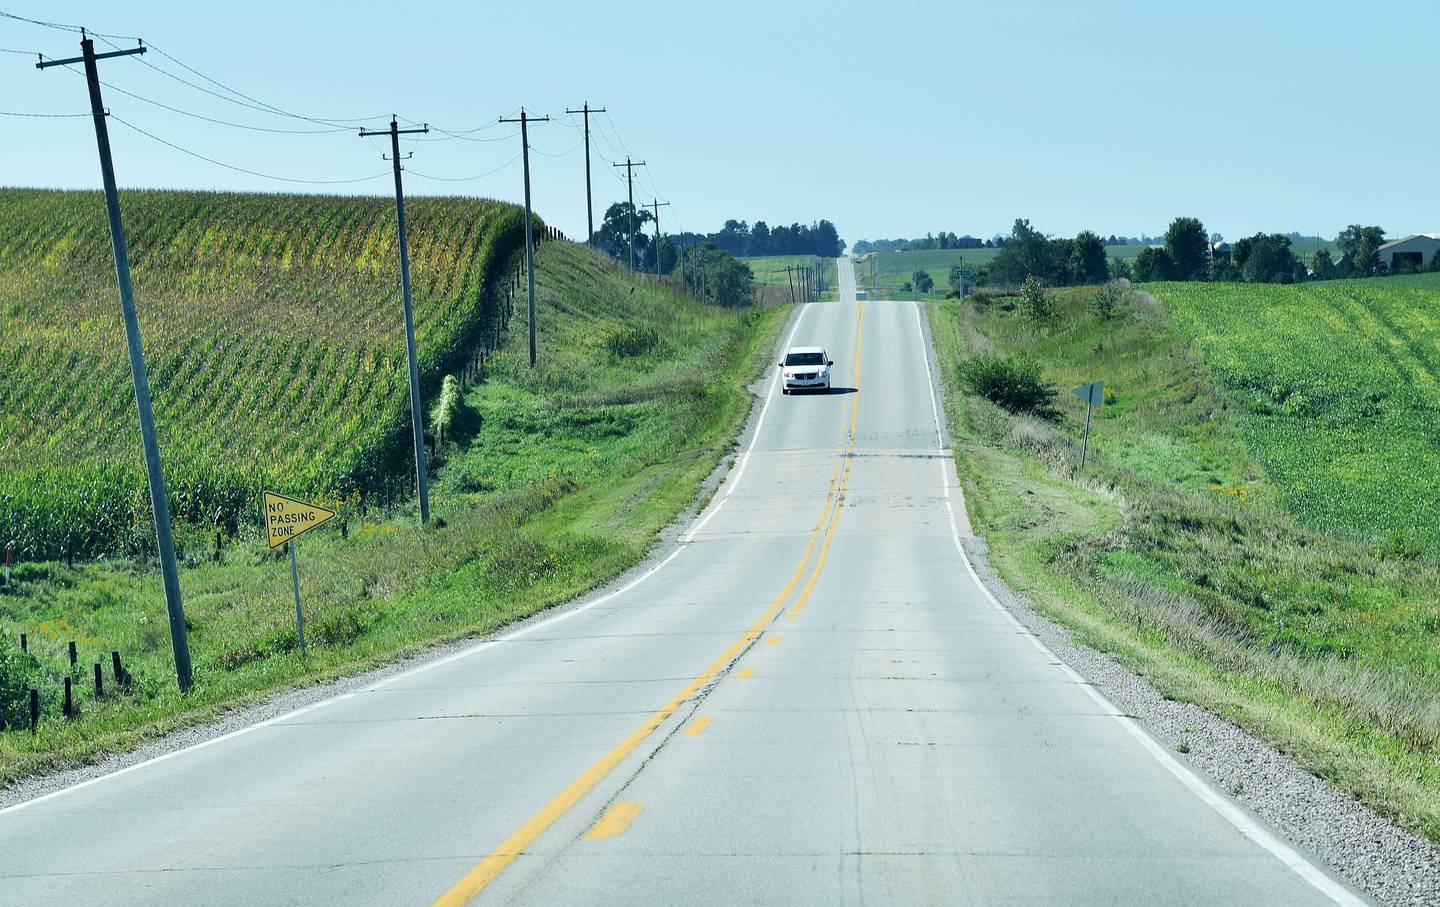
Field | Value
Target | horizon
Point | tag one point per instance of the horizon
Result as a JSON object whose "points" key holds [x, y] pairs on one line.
{"points": [[1072, 119]]}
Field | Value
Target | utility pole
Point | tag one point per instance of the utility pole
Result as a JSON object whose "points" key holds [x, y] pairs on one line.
{"points": [[655, 206], [589, 205], [630, 166], [417, 425], [524, 120], [159, 500], [790, 279]]}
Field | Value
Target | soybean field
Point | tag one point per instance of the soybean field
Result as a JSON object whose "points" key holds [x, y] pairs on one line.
{"points": [[275, 343], [1340, 387]]}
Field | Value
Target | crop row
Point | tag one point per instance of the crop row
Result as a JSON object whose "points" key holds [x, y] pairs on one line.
{"points": [[274, 343]]}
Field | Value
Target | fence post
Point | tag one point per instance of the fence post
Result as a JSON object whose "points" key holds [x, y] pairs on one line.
{"points": [[69, 703], [72, 653], [99, 681], [34, 710], [24, 643]]}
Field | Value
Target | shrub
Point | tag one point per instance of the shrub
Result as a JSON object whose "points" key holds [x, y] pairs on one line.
{"points": [[1036, 306], [1011, 383], [627, 343], [1104, 303]]}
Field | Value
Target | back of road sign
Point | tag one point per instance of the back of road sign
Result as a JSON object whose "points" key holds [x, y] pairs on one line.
{"points": [[1093, 393], [287, 518]]}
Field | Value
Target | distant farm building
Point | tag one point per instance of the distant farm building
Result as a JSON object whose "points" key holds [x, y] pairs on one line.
{"points": [[1220, 251], [1413, 252]]}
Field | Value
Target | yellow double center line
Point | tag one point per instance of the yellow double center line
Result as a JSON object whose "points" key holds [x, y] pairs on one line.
{"points": [[488, 869]]}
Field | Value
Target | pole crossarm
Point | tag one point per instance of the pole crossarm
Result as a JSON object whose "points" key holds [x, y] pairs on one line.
{"points": [[46, 64]]}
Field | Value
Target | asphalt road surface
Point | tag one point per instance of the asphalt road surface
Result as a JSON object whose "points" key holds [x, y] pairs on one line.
{"points": [[811, 700]]}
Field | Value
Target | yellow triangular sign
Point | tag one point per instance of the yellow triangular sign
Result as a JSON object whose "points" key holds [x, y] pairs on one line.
{"points": [[287, 518]]}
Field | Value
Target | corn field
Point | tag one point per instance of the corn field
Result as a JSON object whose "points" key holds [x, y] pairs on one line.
{"points": [[274, 341]]}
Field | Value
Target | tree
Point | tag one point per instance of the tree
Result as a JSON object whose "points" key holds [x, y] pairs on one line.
{"points": [[669, 255], [759, 239], [1028, 252], [827, 240], [613, 235], [1188, 246], [958, 282], [717, 276], [1088, 264], [1323, 265], [1265, 258], [733, 237], [1153, 264], [1036, 306], [923, 282], [1361, 250], [1120, 269]]}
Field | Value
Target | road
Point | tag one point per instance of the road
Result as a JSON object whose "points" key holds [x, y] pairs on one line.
{"points": [[811, 700]]}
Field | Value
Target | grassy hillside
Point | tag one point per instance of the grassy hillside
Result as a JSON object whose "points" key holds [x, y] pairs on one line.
{"points": [[1339, 386], [1175, 549], [274, 341], [552, 480]]}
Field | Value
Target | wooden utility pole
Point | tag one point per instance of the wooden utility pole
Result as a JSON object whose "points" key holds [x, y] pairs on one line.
{"points": [[524, 119], [586, 109], [417, 423], [159, 500], [630, 166]]}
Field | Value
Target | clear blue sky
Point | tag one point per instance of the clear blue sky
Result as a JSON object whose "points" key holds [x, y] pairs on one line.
{"points": [[888, 118]]}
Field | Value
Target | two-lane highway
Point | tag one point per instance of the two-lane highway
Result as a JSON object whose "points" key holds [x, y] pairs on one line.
{"points": [[811, 700]]}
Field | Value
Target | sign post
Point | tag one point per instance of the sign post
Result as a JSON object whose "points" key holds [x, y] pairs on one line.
{"points": [[286, 519], [1094, 396]]}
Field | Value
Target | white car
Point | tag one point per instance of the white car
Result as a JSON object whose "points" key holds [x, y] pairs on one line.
{"points": [[805, 368]]}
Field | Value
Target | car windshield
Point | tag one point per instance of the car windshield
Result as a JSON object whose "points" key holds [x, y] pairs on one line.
{"points": [[805, 359]]}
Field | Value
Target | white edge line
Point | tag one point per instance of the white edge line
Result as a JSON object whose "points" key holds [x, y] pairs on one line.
{"points": [[734, 479], [1231, 812], [730, 483], [439, 662], [385, 681]]}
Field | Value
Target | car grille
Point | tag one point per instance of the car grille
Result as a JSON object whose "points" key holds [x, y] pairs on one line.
{"points": [[804, 376]]}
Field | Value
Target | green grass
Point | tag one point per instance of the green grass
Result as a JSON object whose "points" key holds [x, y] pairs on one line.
{"points": [[274, 343], [1176, 552], [1339, 383], [552, 481]]}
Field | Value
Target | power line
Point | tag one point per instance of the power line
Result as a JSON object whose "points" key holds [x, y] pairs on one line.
{"points": [[48, 116], [248, 102], [572, 150], [463, 179], [208, 119], [238, 169]]}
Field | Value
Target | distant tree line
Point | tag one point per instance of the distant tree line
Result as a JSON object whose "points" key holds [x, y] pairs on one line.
{"points": [[1187, 253], [945, 240], [712, 273], [740, 238]]}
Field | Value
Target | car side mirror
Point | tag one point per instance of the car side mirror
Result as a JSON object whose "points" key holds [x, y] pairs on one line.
{"points": [[830, 362], [781, 364]]}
